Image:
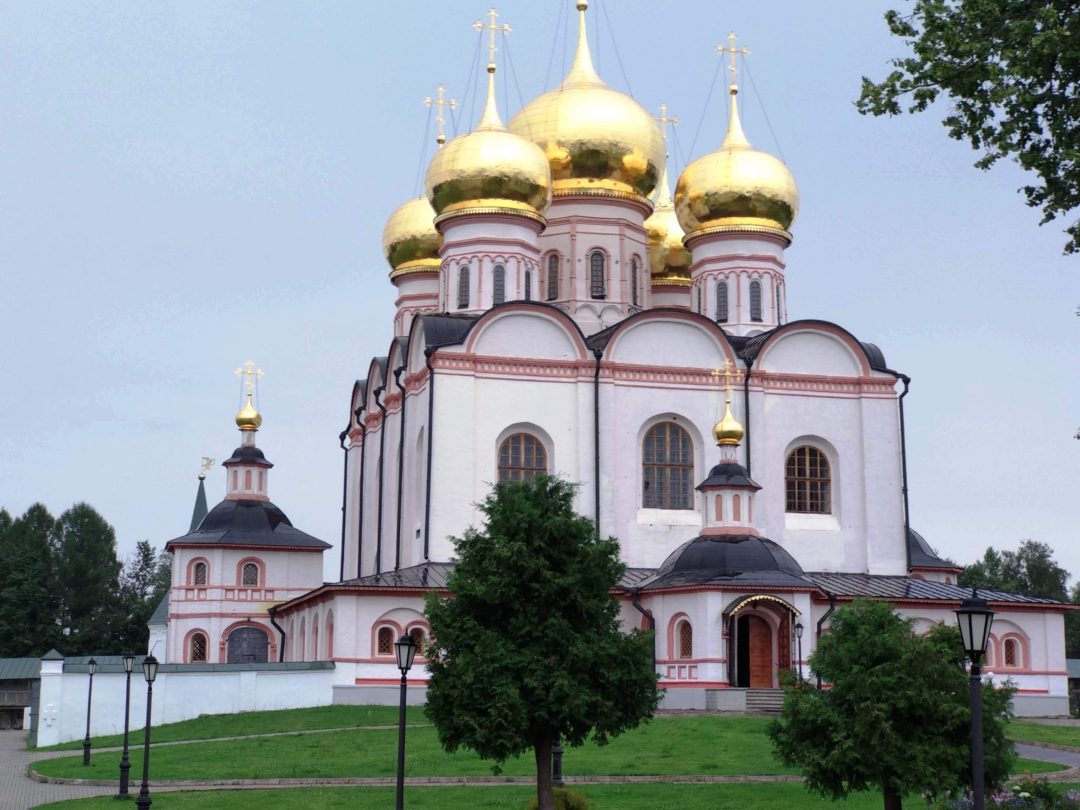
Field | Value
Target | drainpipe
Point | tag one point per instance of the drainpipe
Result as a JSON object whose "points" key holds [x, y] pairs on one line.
{"points": [[906, 380], [598, 353], [344, 497], [278, 627], [746, 413], [382, 447], [428, 354], [400, 464], [360, 511], [821, 621], [635, 593]]}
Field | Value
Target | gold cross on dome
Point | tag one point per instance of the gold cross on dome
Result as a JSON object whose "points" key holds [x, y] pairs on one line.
{"points": [[250, 374], [492, 27], [439, 102], [727, 375], [732, 51], [664, 119]]}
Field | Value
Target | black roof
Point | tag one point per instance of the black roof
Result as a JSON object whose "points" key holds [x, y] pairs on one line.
{"points": [[922, 556], [425, 575], [446, 329], [248, 523], [728, 559], [248, 455], [899, 587], [753, 345], [728, 474]]}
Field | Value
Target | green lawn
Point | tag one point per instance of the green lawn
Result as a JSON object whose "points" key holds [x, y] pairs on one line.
{"points": [[237, 725], [759, 796], [1040, 732]]}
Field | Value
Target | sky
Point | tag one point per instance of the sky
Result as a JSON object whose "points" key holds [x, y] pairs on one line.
{"points": [[188, 185]]}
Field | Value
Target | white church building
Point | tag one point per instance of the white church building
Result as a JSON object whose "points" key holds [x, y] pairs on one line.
{"points": [[561, 311]]}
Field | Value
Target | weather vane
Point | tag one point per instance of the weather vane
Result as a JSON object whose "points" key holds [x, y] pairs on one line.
{"points": [[207, 463]]}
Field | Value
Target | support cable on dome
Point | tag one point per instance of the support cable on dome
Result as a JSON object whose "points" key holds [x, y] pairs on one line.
{"points": [[422, 164], [614, 42], [551, 56], [768, 123], [469, 81], [513, 75], [705, 107]]}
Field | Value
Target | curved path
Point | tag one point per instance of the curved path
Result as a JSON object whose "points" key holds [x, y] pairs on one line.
{"points": [[20, 792]]}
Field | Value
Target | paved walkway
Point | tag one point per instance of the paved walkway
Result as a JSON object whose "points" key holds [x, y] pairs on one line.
{"points": [[17, 791]]}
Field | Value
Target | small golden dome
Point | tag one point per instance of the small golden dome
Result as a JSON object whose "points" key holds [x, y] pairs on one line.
{"points": [[736, 187], [490, 168], [410, 242], [595, 138], [669, 260], [247, 418], [729, 430]]}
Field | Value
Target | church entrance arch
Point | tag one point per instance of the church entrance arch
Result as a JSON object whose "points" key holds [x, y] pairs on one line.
{"points": [[248, 645], [759, 629]]}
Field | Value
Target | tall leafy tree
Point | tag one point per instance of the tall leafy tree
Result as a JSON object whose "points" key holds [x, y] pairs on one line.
{"points": [[1031, 570], [143, 583], [89, 580], [528, 649], [1011, 71], [28, 588], [896, 717]]}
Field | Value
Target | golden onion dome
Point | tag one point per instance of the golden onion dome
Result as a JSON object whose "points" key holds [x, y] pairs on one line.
{"points": [[596, 139], [737, 188], [247, 418], [669, 260], [490, 169], [410, 242], [729, 430]]}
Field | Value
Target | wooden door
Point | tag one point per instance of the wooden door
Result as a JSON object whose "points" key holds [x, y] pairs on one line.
{"points": [[760, 653], [247, 645]]}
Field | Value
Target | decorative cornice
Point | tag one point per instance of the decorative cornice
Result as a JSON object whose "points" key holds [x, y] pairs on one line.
{"points": [[490, 210], [738, 229]]}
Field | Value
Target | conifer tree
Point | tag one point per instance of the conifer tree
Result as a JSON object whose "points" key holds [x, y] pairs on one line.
{"points": [[28, 589], [88, 573]]}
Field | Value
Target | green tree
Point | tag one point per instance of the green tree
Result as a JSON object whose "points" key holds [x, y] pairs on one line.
{"points": [[143, 582], [28, 588], [1010, 69], [1030, 570], [896, 716], [528, 649], [91, 612]]}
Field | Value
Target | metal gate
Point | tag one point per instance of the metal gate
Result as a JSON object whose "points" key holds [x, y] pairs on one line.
{"points": [[248, 645]]}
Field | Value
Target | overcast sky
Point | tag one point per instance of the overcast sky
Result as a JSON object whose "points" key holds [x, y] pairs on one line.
{"points": [[187, 185]]}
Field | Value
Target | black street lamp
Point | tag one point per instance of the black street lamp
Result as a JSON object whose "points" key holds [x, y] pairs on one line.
{"points": [[125, 763], [798, 644], [975, 618], [149, 668], [91, 667], [405, 649]]}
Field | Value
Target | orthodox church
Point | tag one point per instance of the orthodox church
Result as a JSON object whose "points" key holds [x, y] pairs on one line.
{"points": [[561, 311]]}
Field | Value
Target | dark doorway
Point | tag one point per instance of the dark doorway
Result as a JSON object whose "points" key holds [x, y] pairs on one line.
{"points": [[754, 653], [248, 645]]}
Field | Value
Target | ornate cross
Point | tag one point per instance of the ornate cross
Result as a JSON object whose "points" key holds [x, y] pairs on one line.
{"points": [[440, 101], [492, 27], [664, 120], [250, 374], [733, 52], [727, 375]]}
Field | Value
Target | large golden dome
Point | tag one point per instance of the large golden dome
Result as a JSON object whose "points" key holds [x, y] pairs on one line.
{"points": [[736, 188], [595, 138], [410, 242], [669, 260], [489, 169]]}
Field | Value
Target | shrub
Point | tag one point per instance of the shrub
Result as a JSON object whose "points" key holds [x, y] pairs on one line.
{"points": [[1029, 793], [565, 799]]}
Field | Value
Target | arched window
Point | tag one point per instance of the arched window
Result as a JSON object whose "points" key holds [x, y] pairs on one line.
{"points": [[685, 639], [721, 302], [700, 305], [250, 574], [778, 303], [301, 641], [498, 288], [315, 638], [521, 458], [755, 300], [419, 639], [553, 277], [634, 281], [808, 481], [528, 285], [1012, 652], [385, 643], [198, 574], [667, 472], [463, 286], [197, 648], [597, 283], [330, 635]]}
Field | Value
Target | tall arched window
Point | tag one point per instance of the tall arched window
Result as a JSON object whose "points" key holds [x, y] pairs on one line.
{"points": [[419, 639], [808, 481], [521, 458], [330, 635], [778, 303], [721, 302], [198, 574], [498, 287], [250, 575], [755, 300], [301, 642], [597, 272], [528, 285], [315, 638], [700, 304], [385, 642], [197, 650], [685, 639], [463, 286], [667, 472], [634, 281], [553, 277], [1012, 652]]}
